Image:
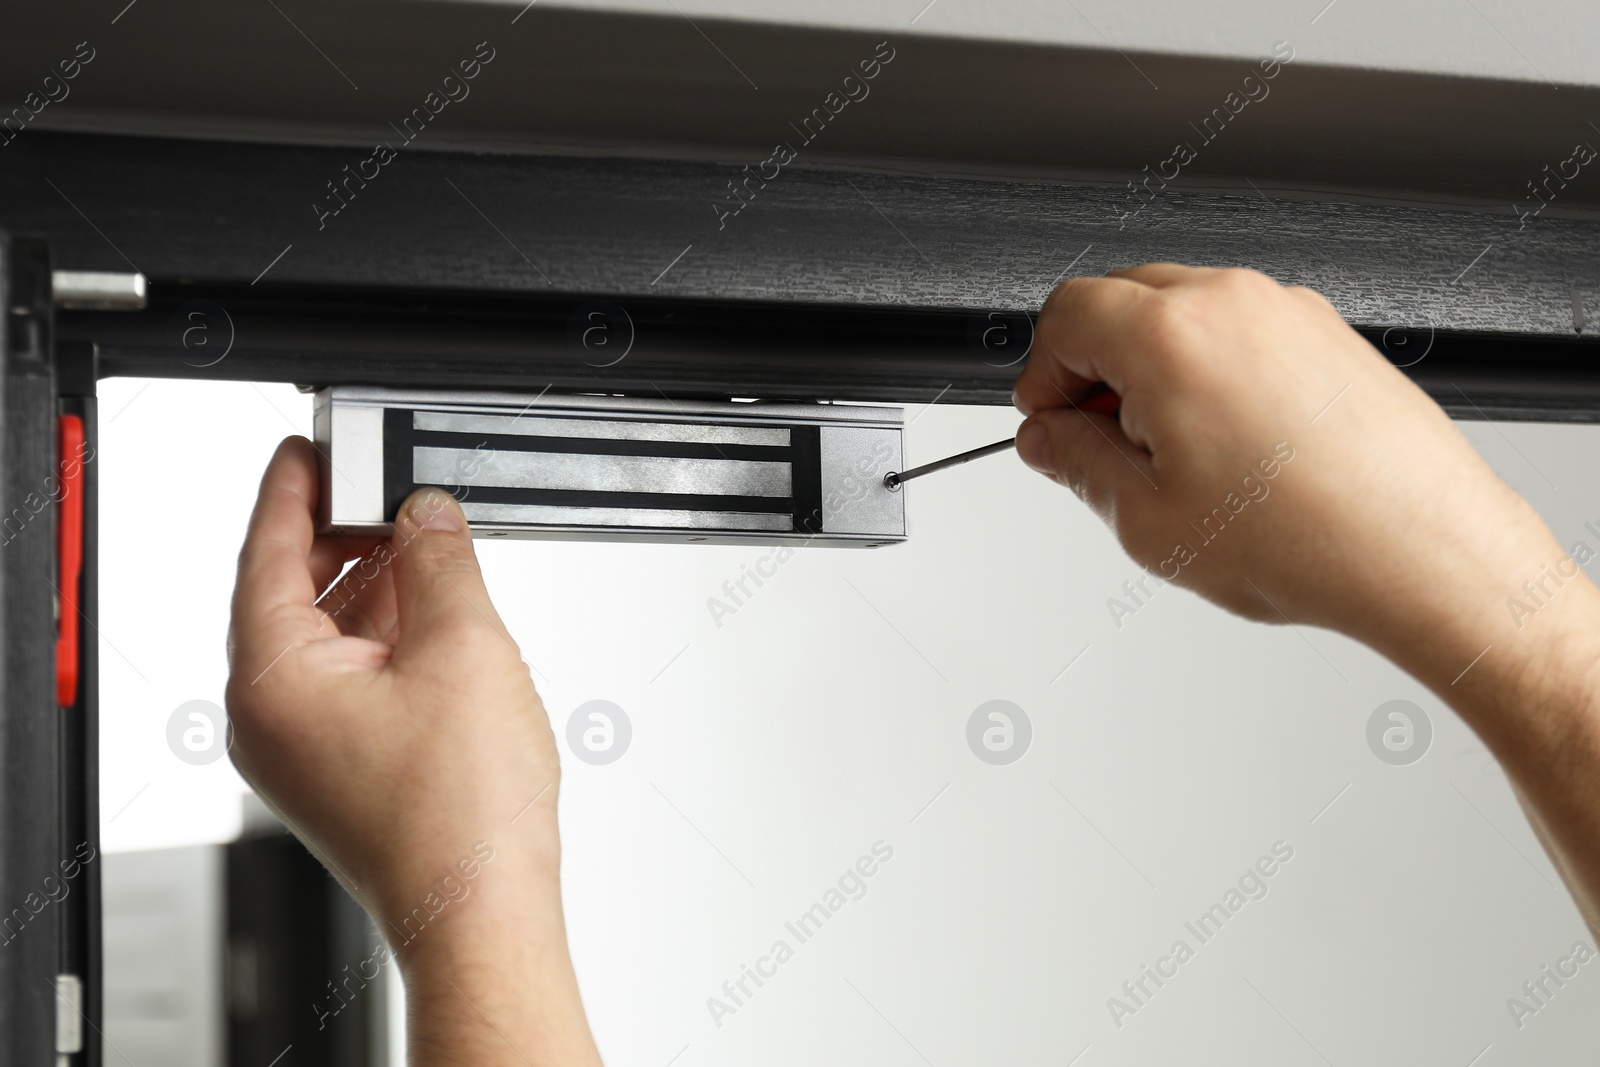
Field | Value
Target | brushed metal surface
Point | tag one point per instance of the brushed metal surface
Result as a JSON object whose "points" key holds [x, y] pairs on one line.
{"points": [[601, 474], [350, 440], [855, 446], [615, 429], [544, 515], [854, 461]]}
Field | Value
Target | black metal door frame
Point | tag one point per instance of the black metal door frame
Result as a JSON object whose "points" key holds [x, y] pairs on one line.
{"points": [[49, 823]]}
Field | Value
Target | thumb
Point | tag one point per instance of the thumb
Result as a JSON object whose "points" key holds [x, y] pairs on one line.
{"points": [[438, 587], [1085, 452]]}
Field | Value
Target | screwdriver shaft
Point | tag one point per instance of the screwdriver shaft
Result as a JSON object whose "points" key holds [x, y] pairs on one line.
{"points": [[894, 479], [1101, 400]]}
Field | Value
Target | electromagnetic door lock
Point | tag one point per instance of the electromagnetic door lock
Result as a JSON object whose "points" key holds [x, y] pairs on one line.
{"points": [[601, 468]]}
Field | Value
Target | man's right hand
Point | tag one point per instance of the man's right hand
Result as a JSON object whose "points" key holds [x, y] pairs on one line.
{"points": [[1272, 460], [1266, 456]]}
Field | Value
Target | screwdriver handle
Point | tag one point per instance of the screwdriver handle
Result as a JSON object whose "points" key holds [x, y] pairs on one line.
{"points": [[1105, 402]]}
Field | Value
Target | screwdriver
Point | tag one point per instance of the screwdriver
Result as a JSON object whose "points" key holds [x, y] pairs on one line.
{"points": [[1104, 402]]}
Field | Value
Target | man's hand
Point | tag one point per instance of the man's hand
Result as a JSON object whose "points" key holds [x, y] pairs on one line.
{"points": [[1265, 455], [395, 727], [1269, 458]]}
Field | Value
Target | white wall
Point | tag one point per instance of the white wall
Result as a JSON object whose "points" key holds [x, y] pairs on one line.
{"points": [[1545, 40], [771, 752]]}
